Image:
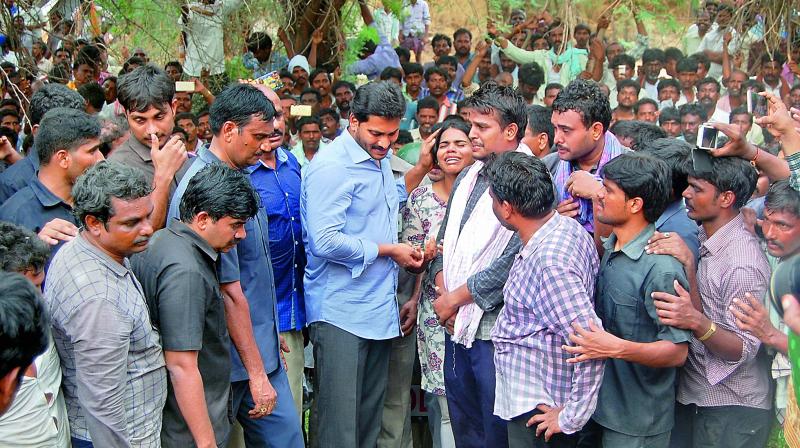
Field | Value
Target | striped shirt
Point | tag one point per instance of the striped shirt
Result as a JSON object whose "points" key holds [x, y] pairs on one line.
{"points": [[794, 168], [731, 264], [550, 287], [115, 382]]}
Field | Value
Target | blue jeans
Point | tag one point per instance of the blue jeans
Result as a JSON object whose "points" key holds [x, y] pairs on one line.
{"points": [[281, 428], [469, 381], [79, 443]]}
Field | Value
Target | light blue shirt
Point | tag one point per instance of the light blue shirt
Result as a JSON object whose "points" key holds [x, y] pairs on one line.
{"points": [[348, 206]]}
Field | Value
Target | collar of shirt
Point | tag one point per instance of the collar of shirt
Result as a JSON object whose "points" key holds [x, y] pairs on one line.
{"points": [[138, 148], [120, 270], [354, 150], [280, 159], [182, 230], [634, 248], [207, 156], [670, 211], [45, 196], [546, 229], [720, 239]]}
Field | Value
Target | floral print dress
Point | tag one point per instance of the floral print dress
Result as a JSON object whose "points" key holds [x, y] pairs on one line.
{"points": [[422, 217]]}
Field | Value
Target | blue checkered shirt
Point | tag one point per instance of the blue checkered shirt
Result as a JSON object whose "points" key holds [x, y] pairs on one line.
{"points": [[550, 287], [115, 382]]}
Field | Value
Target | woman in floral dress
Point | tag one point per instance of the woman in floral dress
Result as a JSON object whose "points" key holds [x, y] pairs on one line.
{"points": [[422, 217]]}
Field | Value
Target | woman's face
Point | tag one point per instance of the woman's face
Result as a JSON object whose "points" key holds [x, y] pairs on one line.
{"points": [[454, 152]]}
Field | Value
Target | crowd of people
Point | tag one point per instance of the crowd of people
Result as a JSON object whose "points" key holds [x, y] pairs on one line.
{"points": [[192, 260]]}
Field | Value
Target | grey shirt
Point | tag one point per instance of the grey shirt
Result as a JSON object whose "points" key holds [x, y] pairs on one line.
{"points": [[114, 379], [485, 286], [178, 274], [134, 153], [635, 399]]}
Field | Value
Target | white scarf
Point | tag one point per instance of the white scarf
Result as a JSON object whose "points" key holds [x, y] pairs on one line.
{"points": [[484, 241]]}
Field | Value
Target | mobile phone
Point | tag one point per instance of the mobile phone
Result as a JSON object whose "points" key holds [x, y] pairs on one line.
{"points": [[707, 137], [184, 86], [300, 110], [757, 105]]}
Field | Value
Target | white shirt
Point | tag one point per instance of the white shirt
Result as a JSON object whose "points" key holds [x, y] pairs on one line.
{"points": [[387, 25], [418, 16], [204, 37], [713, 41]]}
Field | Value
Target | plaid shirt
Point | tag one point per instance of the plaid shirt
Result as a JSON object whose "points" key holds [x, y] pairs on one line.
{"points": [[794, 167], [731, 264], [550, 287], [115, 383]]}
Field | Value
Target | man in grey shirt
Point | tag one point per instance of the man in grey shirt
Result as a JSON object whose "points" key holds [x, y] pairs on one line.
{"points": [[115, 384], [178, 272]]}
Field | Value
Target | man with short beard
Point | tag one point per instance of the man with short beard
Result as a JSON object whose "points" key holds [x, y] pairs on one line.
{"points": [[771, 66], [708, 96], [653, 60], [735, 96], [627, 94], [343, 92], [462, 42]]}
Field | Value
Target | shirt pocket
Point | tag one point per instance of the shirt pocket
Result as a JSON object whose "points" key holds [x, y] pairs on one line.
{"points": [[624, 320]]}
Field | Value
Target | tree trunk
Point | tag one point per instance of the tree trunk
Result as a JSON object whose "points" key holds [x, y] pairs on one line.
{"points": [[305, 16]]}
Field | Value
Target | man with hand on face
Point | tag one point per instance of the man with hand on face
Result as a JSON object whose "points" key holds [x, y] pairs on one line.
{"points": [[115, 383], [242, 121], [179, 280], [147, 93], [470, 274], [349, 209], [68, 143]]}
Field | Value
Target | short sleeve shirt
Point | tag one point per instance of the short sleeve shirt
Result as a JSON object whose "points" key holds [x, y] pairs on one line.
{"points": [[634, 399], [178, 275]]}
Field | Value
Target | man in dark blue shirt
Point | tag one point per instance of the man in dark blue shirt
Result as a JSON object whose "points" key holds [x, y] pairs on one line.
{"points": [[67, 144], [23, 172]]}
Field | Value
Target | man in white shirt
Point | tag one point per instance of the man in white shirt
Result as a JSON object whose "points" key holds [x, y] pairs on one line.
{"points": [[202, 25], [711, 45]]}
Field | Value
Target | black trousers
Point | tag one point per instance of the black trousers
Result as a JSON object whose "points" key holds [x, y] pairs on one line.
{"points": [[520, 436], [720, 427]]}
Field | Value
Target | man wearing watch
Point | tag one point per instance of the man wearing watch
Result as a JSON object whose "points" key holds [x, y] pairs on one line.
{"points": [[724, 397]]}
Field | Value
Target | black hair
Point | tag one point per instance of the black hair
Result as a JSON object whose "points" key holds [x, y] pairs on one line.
{"points": [[461, 31], [339, 84], [175, 64], [642, 176], [687, 65], [669, 114], [404, 137], [729, 174], [640, 132], [428, 102], [504, 102], [623, 59], [64, 129], [553, 85], [672, 53], [531, 74], [437, 71], [701, 58], [257, 41], [83, 60], [523, 181], [539, 121], [10, 102], [328, 111], [302, 121], [93, 191], [585, 98], [391, 73], [380, 99], [642, 102], [676, 155], [582, 26], [131, 61], [776, 56], [654, 54], [93, 93], [202, 113], [179, 130], [311, 91], [708, 80], [741, 110], [24, 325], [186, 116], [447, 60], [51, 96], [59, 74], [316, 72], [145, 87], [450, 122], [402, 53], [4, 113], [693, 109], [438, 37], [412, 67], [621, 84], [782, 197], [239, 103], [21, 249], [664, 83], [220, 191], [11, 135]]}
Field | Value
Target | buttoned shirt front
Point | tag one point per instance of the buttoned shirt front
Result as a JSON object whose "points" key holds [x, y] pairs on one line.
{"points": [[349, 205], [18, 175], [731, 264], [550, 287], [134, 153], [279, 189], [114, 380]]}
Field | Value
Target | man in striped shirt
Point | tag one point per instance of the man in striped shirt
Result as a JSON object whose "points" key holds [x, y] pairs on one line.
{"points": [[550, 287]]}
